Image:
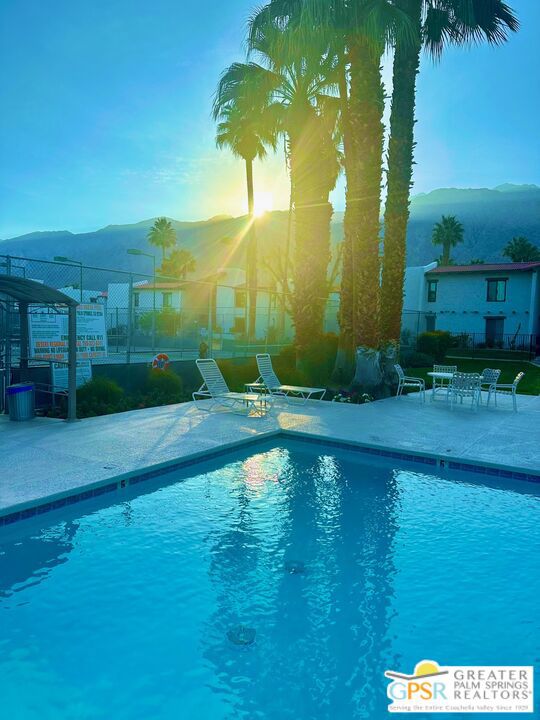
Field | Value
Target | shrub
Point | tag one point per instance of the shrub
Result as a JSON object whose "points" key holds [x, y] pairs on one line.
{"points": [[163, 387], [320, 361], [287, 356], [100, 396], [436, 343], [411, 359], [237, 374], [317, 366]]}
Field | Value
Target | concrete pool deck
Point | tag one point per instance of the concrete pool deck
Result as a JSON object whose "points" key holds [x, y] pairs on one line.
{"points": [[46, 459]]}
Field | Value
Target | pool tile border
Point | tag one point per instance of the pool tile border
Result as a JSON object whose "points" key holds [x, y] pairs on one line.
{"points": [[136, 477]]}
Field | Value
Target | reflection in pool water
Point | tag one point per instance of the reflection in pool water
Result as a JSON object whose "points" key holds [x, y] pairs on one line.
{"points": [[281, 584]]}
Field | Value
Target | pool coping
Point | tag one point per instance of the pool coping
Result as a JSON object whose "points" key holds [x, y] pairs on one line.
{"points": [[48, 503]]}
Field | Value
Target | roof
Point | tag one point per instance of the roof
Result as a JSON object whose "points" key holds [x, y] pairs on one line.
{"points": [[31, 291], [160, 286], [487, 268]]}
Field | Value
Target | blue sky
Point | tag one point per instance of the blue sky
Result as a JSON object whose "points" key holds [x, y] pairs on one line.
{"points": [[106, 113]]}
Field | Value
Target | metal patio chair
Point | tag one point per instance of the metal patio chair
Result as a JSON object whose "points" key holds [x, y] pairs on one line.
{"points": [[407, 381], [442, 383], [465, 385], [506, 389]]}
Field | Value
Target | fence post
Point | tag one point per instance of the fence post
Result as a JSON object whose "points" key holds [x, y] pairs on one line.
{"points": [[9, 304], [210, 320], [268, 319], [72, 363], [130, 319]]}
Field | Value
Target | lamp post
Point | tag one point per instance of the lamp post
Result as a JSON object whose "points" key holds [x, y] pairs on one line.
{"points": [[135, 251], [62, 259]]}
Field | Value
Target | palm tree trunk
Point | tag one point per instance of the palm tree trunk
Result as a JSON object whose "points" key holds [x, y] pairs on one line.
{"points": [[364, 196], [312, 255], [344, 367], [311, 183], [446, 253], [400, 165], [251, 256]]}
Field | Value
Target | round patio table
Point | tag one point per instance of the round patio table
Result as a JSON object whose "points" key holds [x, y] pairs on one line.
{"points": [[439, 376]]}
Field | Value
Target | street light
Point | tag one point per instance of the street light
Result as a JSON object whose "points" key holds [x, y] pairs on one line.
{"points": [[62, 259], [135, 251]]}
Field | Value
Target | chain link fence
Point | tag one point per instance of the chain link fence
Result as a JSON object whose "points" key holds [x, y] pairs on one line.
{"points": [[147, 314]]}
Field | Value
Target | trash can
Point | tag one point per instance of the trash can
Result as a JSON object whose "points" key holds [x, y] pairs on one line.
{"points": [[21, 401]]}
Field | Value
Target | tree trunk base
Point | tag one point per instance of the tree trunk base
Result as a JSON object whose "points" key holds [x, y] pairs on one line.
{"points": [[375, 373], [343, 372]]}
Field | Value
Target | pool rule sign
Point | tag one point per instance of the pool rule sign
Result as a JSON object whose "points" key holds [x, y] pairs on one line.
{"points": [[49, 334]]}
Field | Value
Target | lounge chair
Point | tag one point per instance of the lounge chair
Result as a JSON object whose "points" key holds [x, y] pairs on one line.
{"points": [[215, 388], [408, 381], [275, 388], [506, 389]]}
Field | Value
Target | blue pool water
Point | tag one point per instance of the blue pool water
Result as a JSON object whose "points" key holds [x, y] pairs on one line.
{"points": [[344, 567]]}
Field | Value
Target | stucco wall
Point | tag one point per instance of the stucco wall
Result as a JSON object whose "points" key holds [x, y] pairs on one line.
{"points": [[462, 305]]}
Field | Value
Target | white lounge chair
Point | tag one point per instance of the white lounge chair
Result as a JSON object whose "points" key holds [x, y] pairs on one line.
{"points": [[465, 385], [407, 381], [215, 388], [506, 389], [274, 387]]}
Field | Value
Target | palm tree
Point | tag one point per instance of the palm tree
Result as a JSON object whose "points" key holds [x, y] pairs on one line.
{"points": [[246, 127], [179, 263], [448, 233], [519, 249], [355, 34], [300, 80], [437, 23], [162, 234]]}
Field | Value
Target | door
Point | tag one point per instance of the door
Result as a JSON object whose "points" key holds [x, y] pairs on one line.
{"points": [[494, 331]]}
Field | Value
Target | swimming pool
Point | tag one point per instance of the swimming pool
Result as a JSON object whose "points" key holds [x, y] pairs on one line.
{"points": [[280, 581]]}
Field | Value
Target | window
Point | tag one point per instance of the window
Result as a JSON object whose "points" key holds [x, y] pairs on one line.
{"points": [[496, 289], [167, 300], [239, 298], [136, 300], [432, 290]]}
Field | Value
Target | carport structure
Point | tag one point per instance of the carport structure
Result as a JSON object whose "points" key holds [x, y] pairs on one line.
{"points": [[28, 296]]}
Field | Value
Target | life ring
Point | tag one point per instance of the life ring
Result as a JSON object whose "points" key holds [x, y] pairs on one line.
{"points": [[161, 361]]}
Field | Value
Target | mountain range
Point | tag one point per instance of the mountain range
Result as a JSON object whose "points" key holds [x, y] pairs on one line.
{"points": [[491, 217]]}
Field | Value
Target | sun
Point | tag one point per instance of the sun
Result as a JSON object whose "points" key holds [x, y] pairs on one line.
{"points": [[264, 202], [426, 667]]}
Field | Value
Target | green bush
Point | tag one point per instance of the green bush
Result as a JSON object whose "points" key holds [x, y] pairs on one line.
{"points": [[317, 367], [436, 343], [163, 387], [411, 359], [237, 374], [169, 322], [287, 356], [101, 396], [320, 361]]}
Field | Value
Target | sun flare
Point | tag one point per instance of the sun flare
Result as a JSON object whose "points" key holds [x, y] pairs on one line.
{"points": [[264, 202]]}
